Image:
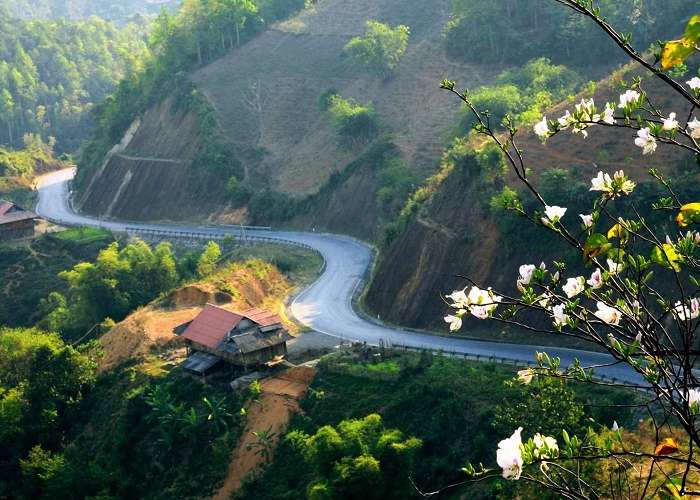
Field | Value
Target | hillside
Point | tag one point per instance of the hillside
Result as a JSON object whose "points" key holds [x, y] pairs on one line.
{"points": [[264, 98], [456, 232]]}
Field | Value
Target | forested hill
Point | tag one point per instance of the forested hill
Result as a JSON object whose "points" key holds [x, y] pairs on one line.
{"points": [[120, 11], [52, 73]]}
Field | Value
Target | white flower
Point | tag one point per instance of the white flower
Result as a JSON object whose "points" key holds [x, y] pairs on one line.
{"points": [[587, 219], [509, 457], [687, 313], [693, 398], [625, 185], [459, 299], [574, 286], [525, 376], [615, 427], [638, 338], [596, 279], [545, 446], [560, 318], [694, 128], [542, 128], [608, 116], [566, 120], [601, 182], [615, 267], [553, 214], [694, 83], [454, 321], [526, 271], [631, 97], [607, 314], [646, 141], [482, 303], [670, 123]]}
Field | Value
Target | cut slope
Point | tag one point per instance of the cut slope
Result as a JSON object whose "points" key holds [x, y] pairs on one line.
{"points": [[454, 234]]}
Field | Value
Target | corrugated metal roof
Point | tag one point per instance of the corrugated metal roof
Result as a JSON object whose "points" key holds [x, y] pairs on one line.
{"points": [[211, 326], [200, 362], [261, 317]]}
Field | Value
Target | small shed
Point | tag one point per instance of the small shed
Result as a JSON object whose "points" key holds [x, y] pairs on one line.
{"points": [[248, 338], [15, 222]]}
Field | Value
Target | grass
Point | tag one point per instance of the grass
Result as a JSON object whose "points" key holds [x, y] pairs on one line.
{"points": [[448, 403], [82, 235], [301, 266]]}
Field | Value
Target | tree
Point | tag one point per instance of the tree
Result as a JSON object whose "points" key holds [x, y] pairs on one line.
{"points": [[352, 121], [640, 303], [206, 264], [381, 48], [357, 458]]}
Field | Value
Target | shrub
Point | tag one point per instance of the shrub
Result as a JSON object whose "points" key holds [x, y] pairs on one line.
{"points": [[499, 101], [380, 49], [352, 121]]}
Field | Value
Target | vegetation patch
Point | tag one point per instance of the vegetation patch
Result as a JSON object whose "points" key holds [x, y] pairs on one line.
{"points": [[380, 49]]}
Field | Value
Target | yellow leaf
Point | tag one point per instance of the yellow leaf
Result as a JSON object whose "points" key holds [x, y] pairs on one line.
{"points": [[668, 446], [690, 212], [675, 52], [617, 231]]}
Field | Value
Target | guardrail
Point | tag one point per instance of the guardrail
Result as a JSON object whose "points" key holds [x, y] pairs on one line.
{"points": [[501, 360], [207, 235]]}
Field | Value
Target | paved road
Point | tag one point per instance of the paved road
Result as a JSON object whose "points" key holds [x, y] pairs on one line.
{"points": [[326, 305]]}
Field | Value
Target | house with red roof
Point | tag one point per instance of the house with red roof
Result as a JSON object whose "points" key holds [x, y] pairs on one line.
{"points": [[249, 338], [15, 222]]}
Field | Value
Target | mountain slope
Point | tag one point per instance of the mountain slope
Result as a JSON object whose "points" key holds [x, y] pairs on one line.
{"points": [[456, 233], [264, 99]]}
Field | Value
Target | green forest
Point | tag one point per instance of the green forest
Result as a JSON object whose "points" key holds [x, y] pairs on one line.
{"points": [[321, 249]]}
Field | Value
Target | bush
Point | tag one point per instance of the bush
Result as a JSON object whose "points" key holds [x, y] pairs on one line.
{"points": [[352, 121], [380, 49], [499, 101]]}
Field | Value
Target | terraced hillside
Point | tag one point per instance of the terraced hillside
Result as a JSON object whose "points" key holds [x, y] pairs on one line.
{"points": [[265, 100]]}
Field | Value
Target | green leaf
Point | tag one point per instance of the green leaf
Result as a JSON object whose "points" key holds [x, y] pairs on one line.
{"points": [[667, 258], [595, 245]]}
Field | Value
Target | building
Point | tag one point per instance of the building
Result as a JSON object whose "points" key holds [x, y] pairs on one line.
{"points": [[247, 339], [15, 222]]}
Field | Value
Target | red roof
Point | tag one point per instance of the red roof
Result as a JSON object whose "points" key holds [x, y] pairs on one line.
{"points": [[5, 207], [212, 324], [9, 212]]}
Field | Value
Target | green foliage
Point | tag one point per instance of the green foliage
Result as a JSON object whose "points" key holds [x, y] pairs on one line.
{"points": [[357, 458], [497, 101], [207, 262], [353, 122], [116, 283], [30, 273], [446, 403], [522, 93], [238, 193], [52, 72], [121, 12], [502, 31], [381, 48], [146, 431], [42, 384]]}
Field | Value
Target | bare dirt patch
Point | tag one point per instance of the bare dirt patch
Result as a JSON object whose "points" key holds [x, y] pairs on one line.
{"points": [[279, 400]]}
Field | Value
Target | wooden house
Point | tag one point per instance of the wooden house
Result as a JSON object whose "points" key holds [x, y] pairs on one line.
{"points": [[250, 338], [15, 222]]}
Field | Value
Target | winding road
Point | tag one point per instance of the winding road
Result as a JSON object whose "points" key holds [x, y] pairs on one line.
{"points": [[327, 305]]}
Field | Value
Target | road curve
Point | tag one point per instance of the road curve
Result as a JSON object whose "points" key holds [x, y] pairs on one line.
{"points": [[326, 305]]}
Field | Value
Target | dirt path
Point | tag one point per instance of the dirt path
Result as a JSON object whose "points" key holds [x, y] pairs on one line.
{"points": [[279, 400]]}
